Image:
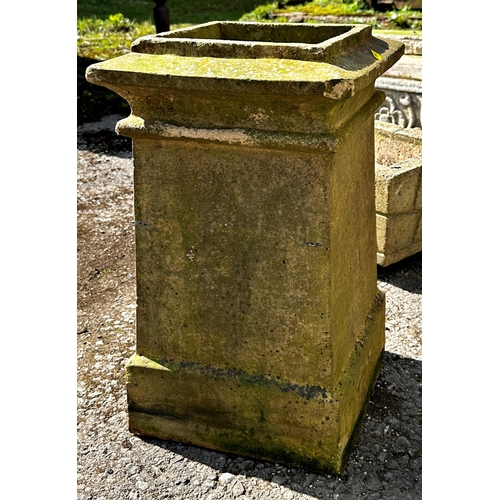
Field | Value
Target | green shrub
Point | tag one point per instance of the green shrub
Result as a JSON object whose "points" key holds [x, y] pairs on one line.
{"points": [[261, 13], [405, 19]]}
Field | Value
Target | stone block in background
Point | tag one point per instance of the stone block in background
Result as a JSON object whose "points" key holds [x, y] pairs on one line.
{"points": [[398, 192], [402, 85]]}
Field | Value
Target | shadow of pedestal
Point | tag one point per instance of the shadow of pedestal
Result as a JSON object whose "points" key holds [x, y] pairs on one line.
{"points": [[93, 101]]}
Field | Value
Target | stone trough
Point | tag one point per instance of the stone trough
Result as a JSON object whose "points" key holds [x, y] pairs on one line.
{"points": [[398, 156], [398, 192]]}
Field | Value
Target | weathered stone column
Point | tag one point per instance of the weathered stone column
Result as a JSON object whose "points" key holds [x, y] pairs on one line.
{"points": [[260, 327]]}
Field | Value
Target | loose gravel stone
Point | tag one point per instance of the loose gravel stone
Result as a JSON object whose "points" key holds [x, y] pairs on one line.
{"points": [[238, 489], [142, 485], [225, 478], [309, 479], [278, 479]]}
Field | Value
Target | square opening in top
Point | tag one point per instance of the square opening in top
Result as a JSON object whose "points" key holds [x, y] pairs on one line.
{"points": [[256, 40]]}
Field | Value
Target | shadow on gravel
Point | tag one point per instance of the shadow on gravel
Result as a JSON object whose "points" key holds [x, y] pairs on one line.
{"points": [[94, 101], [100, 137], [406, 274], [385, 463], [105, 141]]}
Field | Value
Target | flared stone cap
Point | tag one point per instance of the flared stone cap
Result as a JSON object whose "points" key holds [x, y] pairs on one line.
{"points": [[336, 60]]}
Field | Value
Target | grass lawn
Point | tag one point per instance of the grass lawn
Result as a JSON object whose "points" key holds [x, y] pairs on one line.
{"points": [[181, 11], [106, 28]]}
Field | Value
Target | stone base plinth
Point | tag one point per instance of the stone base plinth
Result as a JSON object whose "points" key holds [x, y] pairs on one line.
{"points": [[262, 417]]}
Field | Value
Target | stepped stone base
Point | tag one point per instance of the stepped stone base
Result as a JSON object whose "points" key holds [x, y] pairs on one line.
{"points": [[262, 417]]}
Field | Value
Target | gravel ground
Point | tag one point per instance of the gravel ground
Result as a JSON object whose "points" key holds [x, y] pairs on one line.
{"points": [[113, 464]]}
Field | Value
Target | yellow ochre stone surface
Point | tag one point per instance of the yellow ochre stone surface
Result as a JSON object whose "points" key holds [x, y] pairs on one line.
{"points": [[260, 328]]}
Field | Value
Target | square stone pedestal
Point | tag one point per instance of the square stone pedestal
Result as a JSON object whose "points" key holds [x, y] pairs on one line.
{"points": [[260, 328]]}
